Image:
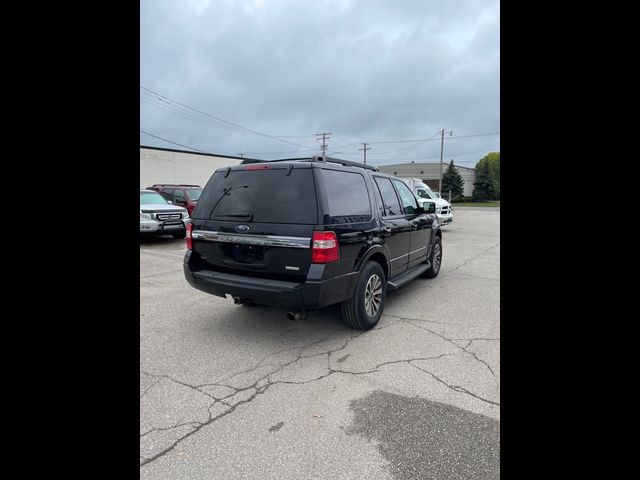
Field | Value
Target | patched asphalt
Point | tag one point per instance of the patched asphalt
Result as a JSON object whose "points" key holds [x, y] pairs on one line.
{"points": [[423, 439]]}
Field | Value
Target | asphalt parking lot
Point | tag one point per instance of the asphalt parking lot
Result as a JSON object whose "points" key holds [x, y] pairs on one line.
{"points": [[232, 391]]}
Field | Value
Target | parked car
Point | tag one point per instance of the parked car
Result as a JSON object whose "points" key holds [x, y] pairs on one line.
{"points": [[307, 233], [444, 211], [159, 217], [179, 194]]}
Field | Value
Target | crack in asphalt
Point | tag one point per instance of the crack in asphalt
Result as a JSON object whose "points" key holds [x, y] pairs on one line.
{"points": [[265, 381], [196, 388], [456, 388], [473, 276], [420, 320], [464, 349], [258, 390], [451, 341], [163, 429], [478, 255], [273, 354], [150, 386]]}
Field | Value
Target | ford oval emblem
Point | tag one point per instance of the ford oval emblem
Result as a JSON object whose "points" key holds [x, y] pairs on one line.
{"points": [[242, 228]]}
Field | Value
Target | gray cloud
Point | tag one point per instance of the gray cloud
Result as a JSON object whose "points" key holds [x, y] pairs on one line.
{"points": [[366, 70]]}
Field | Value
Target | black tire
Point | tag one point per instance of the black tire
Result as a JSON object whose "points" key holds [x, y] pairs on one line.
{"points": [[354, 310], [179, 236], [435, 259]]}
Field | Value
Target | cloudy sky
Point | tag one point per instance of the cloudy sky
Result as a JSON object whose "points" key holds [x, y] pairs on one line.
{"points": [[227, 76]]}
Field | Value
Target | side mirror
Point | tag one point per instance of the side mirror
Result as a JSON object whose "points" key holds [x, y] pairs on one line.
{"points": [[428, 207], [170, 202]]}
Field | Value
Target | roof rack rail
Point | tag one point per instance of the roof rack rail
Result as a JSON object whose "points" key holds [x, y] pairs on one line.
{"points": [[316, 158], [346, 163], [255, 160]]}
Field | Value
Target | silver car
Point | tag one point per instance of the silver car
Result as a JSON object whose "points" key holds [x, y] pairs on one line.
{"points": [[160, 217]]}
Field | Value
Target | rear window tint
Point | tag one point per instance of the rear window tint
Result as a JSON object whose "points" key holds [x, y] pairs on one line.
{"points": [[347, 197], [263, 196]]}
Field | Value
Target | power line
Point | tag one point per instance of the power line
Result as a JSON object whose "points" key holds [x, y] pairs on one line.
{"points": [[324, 137], [183, 113], [364, 149], [282, 153], [169, 141], [246, 129], [404, 160], [421, 141], [436, 139], [441, 156], [173, 106], [410, 147]]}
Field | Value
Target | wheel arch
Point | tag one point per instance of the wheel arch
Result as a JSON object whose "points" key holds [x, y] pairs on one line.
{"points": [[378, 254]]}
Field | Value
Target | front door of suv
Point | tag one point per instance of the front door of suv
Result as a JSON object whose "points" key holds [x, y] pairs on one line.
{"points": [[420, 225], [395, 226]]}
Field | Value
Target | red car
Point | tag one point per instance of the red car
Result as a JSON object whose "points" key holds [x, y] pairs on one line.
{"points": [[180, 194]]}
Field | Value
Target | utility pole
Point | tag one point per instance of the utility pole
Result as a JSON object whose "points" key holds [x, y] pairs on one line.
{"points": [[324, 137], [441, 157], [364, 148]]}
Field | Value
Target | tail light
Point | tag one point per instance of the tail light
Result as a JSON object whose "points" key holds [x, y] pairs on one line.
{"points": [[189, 237], [324, 248]]}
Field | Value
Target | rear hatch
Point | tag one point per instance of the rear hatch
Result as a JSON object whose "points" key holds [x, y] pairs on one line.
{"points": [[257, 220]]}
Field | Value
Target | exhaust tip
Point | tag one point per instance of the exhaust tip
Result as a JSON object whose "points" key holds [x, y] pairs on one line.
{"points": [[297, 315]]}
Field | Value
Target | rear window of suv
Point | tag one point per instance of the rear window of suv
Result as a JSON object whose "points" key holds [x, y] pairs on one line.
{"points": [[346, 195], [262, 196]]}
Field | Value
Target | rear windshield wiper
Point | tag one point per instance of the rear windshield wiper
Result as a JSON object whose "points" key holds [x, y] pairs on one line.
{"points": [[225, 191]]}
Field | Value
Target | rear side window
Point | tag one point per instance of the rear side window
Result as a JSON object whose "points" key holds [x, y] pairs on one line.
{"points": [[409, 203], [194, 194], [422, 193], [179, 196], [167, 193], [389, 197], [264, 196], [347, 197]]}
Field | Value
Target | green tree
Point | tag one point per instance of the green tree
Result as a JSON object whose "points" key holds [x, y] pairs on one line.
{"points": [[492, 160], [452, 181], [483, 186]]}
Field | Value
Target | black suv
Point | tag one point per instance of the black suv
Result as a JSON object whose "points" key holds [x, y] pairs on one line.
{"points": [[307, 233]]}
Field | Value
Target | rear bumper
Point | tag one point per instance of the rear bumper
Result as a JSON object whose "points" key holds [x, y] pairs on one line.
{"points": [[311, 294]]}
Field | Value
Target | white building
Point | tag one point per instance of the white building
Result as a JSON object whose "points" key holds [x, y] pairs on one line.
{"points": [[429, 173], [165, 165]]}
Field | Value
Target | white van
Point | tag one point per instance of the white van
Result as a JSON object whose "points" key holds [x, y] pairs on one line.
{"points": [[444, 211]]}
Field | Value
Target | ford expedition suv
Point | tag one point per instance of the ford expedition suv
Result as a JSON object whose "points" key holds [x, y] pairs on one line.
{"points": [[303, 234]]}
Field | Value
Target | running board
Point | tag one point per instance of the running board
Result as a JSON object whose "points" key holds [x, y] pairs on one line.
{"points": [[406, 277]]}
